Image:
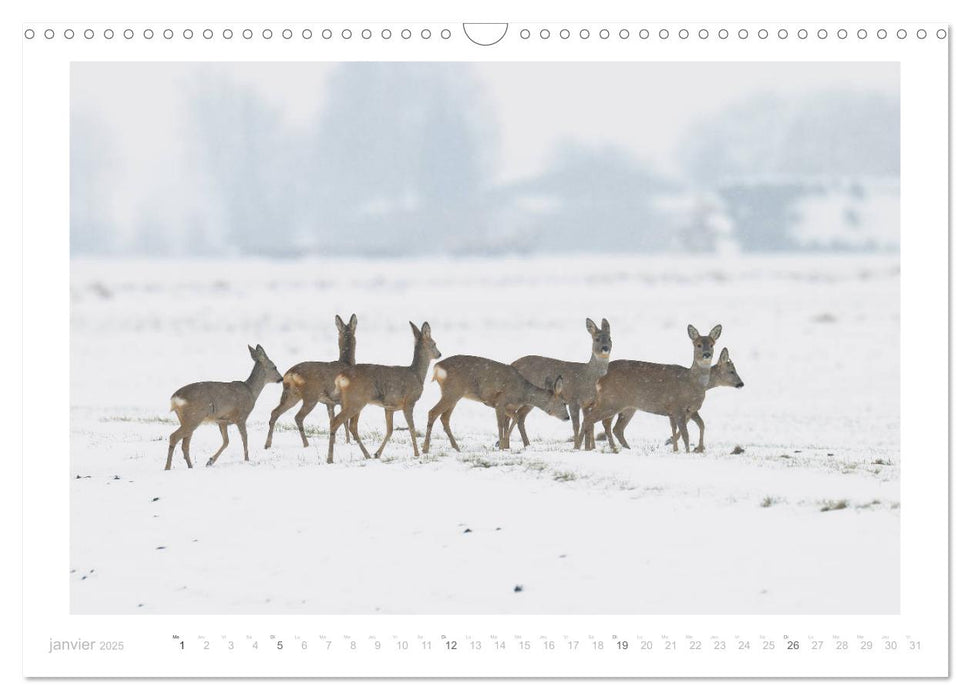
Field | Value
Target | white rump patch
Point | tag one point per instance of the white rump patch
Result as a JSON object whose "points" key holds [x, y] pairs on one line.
{"points": [[178, 402], [439, 375], [342, 382], [295, 378]]}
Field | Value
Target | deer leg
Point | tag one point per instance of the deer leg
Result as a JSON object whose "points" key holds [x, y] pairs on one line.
{"points": [[185, 447], [574, 409], [241, 426], [674, 432], [341, 419], [623, 420], [224, 431], [442, 408], [388, 415], [446, 418], [347, 427], [501, 422], [608, 434], [683, 426], [352, 422], [287, 401], [409, 412], [521, 423], [308, 406], [173, 441], [701, 431]]}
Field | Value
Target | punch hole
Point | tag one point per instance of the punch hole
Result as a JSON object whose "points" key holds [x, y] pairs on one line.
{"points": [[168, 34]]}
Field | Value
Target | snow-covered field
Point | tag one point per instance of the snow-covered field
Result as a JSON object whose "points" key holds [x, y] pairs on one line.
{"points": [[805, 520]]}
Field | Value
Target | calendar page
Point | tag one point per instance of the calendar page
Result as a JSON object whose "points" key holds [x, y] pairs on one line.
{"points": [[526, 349]]}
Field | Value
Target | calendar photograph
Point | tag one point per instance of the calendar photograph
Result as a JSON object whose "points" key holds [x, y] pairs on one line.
{"points": [[485, 338]]}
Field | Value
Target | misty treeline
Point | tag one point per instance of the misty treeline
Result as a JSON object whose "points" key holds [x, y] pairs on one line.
{"points": [[401, 161]]}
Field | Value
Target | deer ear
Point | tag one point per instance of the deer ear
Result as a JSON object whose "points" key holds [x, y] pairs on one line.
{"points": [[426, 330], [414, 329], [591, 327], [260, 350], [724, 355], [352, 324], [558, 386], [252, 351], [604, 326], [692, 332], [715, 332], [339, 322]]}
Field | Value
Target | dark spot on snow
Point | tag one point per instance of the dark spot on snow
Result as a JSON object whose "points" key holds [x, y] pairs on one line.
{"points": [[161, 546], [884, 462], [154, 499], [466, 530], [738, 450], [785, 456], [141, 605], [517, 589], [797, 451], [829, 454], [91, 572], [195, 540], [83, 577], [117, 478], [498, 528], [562, 556]]}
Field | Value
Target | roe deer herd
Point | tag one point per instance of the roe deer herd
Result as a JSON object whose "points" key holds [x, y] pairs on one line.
{"points": [[585, 392]]}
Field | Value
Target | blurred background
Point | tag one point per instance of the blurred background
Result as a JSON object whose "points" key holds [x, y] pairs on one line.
{"points": [[413, 159]]}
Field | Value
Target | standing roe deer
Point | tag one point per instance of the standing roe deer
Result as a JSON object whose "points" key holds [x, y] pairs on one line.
{"points": [[723, 373], [393, 388], [313, 382], [579, 378], [223, 403], [667, 390], [495, 384]]}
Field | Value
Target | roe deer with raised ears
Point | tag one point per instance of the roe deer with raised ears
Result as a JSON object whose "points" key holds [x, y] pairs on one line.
{"points": [[579, 378], [313, 382], [723, 373], [392, 388], [495, 384], [222, 403], [667, 390]]}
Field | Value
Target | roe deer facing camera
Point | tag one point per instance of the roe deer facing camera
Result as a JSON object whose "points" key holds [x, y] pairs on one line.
{"points": [[313, 382], [579, 378], [222, 403], [667, 390], [393, 388], [495, 384], [723, 373]]}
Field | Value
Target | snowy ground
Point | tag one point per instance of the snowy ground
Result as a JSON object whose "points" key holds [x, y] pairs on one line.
{"points": [[806, 520]]}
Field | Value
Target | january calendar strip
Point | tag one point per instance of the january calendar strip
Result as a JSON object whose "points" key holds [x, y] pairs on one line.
{"points": [[489, 350]]}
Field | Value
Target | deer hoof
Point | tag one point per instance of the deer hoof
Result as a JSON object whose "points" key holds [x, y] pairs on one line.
{"points": [[700, 448], [208, 464]]}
